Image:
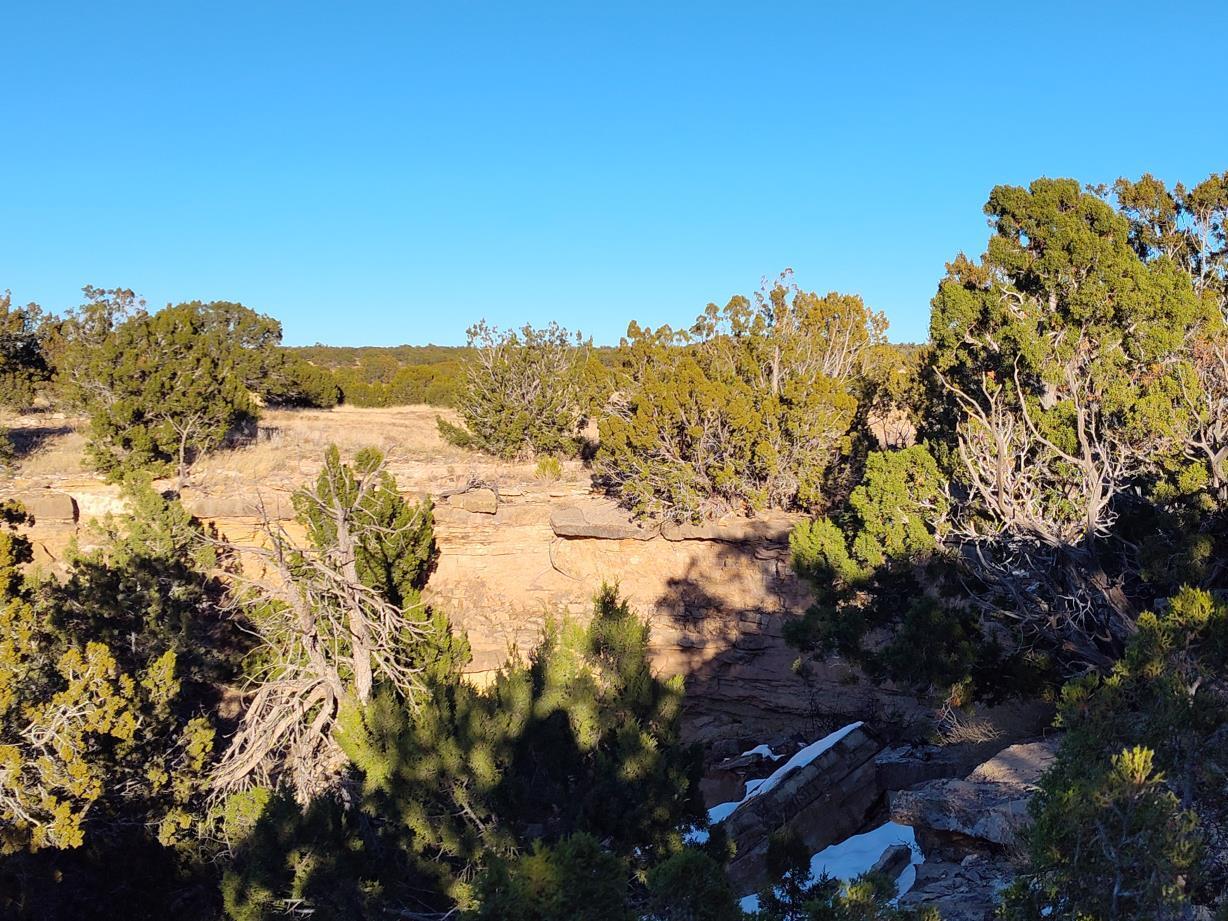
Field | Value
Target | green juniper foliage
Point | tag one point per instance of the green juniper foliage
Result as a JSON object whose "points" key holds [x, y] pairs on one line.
{"points": [[881, 580], [161, 390], [745, 411], [1144, 756], [107, 729], [523, 393], [1066, 380], [24, 367], [1033, 503], [471, 778]]}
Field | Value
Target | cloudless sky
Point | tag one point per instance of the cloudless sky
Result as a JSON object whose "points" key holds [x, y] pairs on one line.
{"points": [[379, 173]]}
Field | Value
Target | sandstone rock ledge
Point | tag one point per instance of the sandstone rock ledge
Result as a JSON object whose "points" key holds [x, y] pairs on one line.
{"points": [[990, 805], [716, 596]]}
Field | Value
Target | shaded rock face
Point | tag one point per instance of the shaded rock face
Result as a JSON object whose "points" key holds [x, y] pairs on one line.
{"points": [[965, 889], [717, 608], [893, 861], [990, 805], [768, 528], [823, 802], [903, 766], [967, 828], [725, 781]]}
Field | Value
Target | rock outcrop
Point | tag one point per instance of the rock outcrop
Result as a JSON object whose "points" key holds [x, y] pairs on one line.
{"points": [[968, 827], [965, 889], [823, 801], [717, 599], [990, 805], [596, 519], [48, 506], [481, 501], [518, 551]]}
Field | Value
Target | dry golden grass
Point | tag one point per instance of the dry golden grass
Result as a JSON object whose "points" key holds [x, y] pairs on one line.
{"points": [[289, 450], [291, 443], [46, 444]]}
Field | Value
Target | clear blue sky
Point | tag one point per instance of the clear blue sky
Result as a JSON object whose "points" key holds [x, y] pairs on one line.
{"points": [[385, 173]]}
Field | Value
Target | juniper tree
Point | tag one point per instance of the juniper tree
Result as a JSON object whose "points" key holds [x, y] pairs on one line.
{"points": [[71, 338], [578, 748], [252, 341], [107, 688], [1118, 820], [744, 411], [23, 360], [160, 390], [523, 392], [339, 614], [1064, 372], [576, 880], [885, 588]]}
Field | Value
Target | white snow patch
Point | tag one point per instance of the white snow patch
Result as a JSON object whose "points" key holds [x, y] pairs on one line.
{"points": [[721, 812], [717, 813], [853, 856], [856, 855], [762, 750]]}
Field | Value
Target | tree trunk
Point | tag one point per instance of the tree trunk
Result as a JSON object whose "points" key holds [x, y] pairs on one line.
{"points": [[360, 636], [183, 459]]}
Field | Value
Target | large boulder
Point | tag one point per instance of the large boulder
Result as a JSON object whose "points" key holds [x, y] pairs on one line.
{"points": [[598, 519], [823, 800], [990, 805], [772, 528], [481, 501], [48, 506]]}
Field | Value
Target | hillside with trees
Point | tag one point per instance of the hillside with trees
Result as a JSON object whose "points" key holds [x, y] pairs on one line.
{"points": [[1029, 508]]}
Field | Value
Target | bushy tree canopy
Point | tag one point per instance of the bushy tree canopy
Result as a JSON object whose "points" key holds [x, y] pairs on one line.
{"points": [[23, 359], [1064, 359], [162, 389], [523, 392], [745, 411], [107, 726], [1146, 748], [474, 777]]}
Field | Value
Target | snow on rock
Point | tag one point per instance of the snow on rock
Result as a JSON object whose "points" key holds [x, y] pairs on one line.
{"points": [[799, 760], [804, 756], [763, 750], [717, 813], [854, 856]]}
